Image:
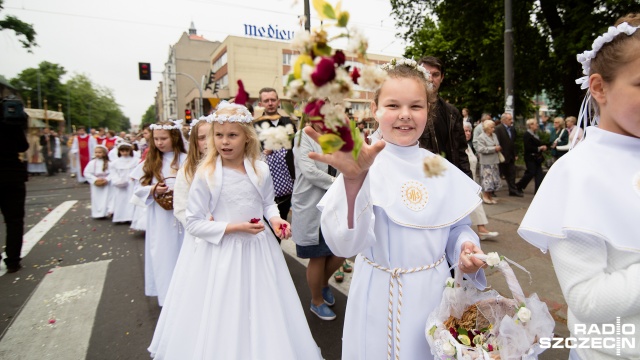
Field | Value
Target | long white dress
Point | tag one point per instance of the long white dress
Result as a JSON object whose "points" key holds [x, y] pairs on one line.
{"points": [[586, 214], [122, 187], [100, 195], [164, 233], [403, 220], [236, 299]]}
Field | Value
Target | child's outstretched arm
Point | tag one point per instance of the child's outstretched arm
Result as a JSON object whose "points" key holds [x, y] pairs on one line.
{"points": [[353, 171]]}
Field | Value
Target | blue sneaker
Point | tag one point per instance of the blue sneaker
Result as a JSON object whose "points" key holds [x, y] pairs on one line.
{"points": [[328, 297], [323, 312]]}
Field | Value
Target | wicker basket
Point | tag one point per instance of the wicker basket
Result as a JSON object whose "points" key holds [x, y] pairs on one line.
{"points": [[100, 182], [164, 200]]}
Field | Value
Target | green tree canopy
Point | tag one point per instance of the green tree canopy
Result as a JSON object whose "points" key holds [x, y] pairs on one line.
{"points": [[82, 101], [149, 116], [21, 29], [468, 37]]}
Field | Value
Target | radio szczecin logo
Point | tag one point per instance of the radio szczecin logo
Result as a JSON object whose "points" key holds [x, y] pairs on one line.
{"points": [[595, 336]]}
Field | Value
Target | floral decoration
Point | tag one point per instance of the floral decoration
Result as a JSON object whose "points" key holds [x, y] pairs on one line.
{"points": [[321, 78], [434, 166], [523, 313], [275, 137]]}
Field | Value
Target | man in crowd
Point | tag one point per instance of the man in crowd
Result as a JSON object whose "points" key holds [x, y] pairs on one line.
{"points": [[280, 162], [506, 134], [48, 143], [445, 134]]}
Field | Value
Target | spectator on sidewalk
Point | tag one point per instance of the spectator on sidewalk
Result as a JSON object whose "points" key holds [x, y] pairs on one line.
{"points": [[312, 182], [488, 147], [533, 157], [478, 216], [506, 134]]}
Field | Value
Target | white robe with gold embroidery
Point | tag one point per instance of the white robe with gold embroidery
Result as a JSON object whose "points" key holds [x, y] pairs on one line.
{"points": [[402, 220]]}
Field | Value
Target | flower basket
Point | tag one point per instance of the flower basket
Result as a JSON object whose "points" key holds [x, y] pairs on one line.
{"points": [[164, 200], [473, 324], [100, 182]]}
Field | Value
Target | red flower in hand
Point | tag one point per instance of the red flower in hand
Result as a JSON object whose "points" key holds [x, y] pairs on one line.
{"points": [[283, 228], [254, 220], [325, 72], [313, 108]]}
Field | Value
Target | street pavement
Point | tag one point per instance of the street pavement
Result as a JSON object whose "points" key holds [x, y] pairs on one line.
{"points": [[80, 294]]}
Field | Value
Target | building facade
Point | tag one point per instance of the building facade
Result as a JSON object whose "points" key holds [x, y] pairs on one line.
{"points": [[187, 63]]}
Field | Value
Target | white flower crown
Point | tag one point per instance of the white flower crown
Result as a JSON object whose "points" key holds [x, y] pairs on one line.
{"points": [[194, 122], [407, 62], [177, 125], [586, 57], [239, 114]]}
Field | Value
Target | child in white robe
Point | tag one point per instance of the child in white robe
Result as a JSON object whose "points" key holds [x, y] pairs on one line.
{"points": [[586, 210], [163, 236], [97, 174], [121, 182], [403, 225], [236, 299]]}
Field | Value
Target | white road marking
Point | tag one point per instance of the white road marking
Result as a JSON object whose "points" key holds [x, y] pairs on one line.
{"points": [[56, 322], [31, 238]]}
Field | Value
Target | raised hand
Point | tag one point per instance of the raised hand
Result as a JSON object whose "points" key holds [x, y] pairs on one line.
{"points": [[469, 264], [344, 161]]}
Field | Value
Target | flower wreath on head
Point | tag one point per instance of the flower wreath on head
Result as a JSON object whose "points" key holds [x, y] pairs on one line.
{"points": [[196, 121], [240, 113], [410, 63], [588, 113], [177, 125]]}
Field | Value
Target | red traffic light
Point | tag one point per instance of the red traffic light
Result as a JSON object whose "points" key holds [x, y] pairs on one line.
{"points": [[187, 115], [144, 71]]}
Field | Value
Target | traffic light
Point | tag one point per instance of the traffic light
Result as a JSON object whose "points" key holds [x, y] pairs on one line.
{"points": [[144, 71], [187, 115]]}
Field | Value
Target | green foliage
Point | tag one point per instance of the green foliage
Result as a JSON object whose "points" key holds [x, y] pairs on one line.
{"points": [[469, 37], [20, 28], [149, 116], [90, 105]]}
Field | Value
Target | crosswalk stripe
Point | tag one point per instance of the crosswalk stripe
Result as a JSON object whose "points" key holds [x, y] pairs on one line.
{"points": [[31, 238], [57, 320]]}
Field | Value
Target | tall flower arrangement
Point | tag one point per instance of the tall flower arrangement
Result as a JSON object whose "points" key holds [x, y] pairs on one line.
{"points": [[323, 82]]}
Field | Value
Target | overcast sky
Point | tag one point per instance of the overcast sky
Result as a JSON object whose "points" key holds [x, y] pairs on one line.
{"points": [[105, 40]]}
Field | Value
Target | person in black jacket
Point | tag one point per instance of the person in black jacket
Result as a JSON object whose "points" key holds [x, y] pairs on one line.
{"points": [[506, 134], [283, 171], [444, 132], [13, 141], [533, 158]]}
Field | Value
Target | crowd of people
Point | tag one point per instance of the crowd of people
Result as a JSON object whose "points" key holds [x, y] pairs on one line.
{"points": [[214, 203]]}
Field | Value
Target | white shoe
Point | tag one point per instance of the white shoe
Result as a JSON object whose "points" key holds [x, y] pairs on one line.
{"points": [[489, 235]]}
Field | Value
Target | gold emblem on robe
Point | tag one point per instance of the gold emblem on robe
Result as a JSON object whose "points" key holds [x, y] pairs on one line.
{"points": [[414, 195]]}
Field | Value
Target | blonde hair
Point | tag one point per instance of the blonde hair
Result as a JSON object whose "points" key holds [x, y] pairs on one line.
{"points": [[153, 163], [572, 119], [530, 122], [251, 148], [487, 123], [194, 156], [408, 72], [617, 53], [105, 157], [561, 120]]}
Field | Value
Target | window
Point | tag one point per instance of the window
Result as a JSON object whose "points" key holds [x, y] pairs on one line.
{"points": [[289, 59], [220, 62], [223, 82]]}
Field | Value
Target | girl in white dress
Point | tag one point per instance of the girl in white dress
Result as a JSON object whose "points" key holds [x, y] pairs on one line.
{"points": [[402, 225], [197, 149], [586, 210], [121, 183], [163, 236], [237, 300], [97, 174]]}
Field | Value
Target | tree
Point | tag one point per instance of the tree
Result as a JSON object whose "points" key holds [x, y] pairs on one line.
{"points": [[47, 77], [21, 28], [149, 116], [468, 36]]}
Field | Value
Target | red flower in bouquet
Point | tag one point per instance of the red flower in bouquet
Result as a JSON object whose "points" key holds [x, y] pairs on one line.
{"points": [[313, 109], [325, 71], [254, 220], [243, 96], [355, 74], [339, 58]]}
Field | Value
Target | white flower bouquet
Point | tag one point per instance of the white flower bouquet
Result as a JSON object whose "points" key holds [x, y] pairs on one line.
{"points": [[471, 324]]}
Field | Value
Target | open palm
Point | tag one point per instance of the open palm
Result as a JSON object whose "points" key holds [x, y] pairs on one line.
{"points": [[344, 161]]}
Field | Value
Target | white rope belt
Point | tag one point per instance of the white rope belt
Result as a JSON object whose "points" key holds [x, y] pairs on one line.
{"points": [[395, 277]]}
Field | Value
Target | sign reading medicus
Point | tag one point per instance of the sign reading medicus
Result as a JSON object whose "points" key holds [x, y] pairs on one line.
{"points": [[270, 32]]}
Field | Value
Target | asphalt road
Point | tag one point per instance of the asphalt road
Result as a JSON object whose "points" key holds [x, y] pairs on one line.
{"points": [[82, 258]]}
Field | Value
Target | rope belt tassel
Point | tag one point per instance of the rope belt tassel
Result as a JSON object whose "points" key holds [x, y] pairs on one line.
{"points": [[395, 277]]}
